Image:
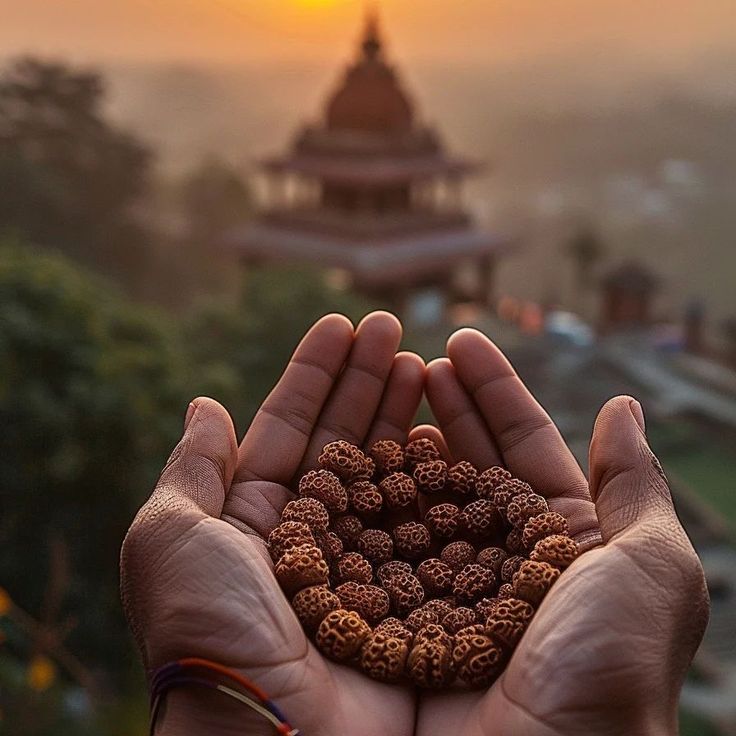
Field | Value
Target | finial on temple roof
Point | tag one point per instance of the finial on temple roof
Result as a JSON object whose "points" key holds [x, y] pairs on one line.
{"points": [[372, 33]]}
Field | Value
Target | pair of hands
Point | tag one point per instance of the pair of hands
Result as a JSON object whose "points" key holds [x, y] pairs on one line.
{"points": [[609, 647]]}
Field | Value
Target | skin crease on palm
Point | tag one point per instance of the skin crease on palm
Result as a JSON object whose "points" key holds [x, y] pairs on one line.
{"points": [[608, 649]]}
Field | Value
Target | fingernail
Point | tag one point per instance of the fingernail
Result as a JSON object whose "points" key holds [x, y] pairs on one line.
{"points": [[190, 413], [638, 414]]}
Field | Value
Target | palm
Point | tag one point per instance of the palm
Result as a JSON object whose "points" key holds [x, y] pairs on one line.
{"points": [[338, 384], [572, 672]]}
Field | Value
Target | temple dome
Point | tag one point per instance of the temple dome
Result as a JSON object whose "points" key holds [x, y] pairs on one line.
{"points": [[370, 98]]}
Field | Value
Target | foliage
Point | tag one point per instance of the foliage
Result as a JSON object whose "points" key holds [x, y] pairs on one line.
{"points": [[73, 178], [215, 198], [91, 395]]}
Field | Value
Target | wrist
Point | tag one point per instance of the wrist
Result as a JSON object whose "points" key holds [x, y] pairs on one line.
{"points": [[194, 711]]}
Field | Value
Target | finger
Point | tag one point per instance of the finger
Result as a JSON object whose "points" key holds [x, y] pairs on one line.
{"points": [[400, 400], [430, 432], [639, 525], [350, 409], [279, 434], [626, 480], [202, 465], [530, 444], [462, 425]]}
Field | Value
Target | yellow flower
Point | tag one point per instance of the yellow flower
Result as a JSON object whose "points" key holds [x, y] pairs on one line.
{"points": [[41, 673], [5, 602]]}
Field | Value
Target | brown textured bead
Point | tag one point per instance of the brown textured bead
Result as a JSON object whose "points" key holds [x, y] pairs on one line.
{"points": [[301, 567], [430, 477], [489, 480], [412, 539], [514, 609], [352, 566], [543, 525], [472, 630], [477, 659], [533, 580], [505, 591], [515, 543], [492, 558], [346, 461], [312, 604], [458, 619], [480, 518], [507, 491], [370, 601], [461, 478], [348, 528], [398, 490], [287, 535], [433, 632], [326, 488], [558, 550], [458, 554], [521, 508], [388, 456], [442, 519], [484, 607], [405, 592], [436, 577], [418, 451], [383, 657], [331, 546], [509, 567], [396, 567], [474, 582], [508, 619], [309, 511], [376, 546], [341, 634], [506, 632], [430, 664], [440, 606], [365, 498], [419, 618], [395, 627]]}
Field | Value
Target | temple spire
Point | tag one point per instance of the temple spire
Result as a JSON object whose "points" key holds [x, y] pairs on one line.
{"points": [[371, 35]]}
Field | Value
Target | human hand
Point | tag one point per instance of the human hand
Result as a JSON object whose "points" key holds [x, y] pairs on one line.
{"points": [[608, 648], [196, 574]]}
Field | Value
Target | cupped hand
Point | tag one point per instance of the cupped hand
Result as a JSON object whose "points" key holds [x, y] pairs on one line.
{"points": [[196, 575], [608, 648]]}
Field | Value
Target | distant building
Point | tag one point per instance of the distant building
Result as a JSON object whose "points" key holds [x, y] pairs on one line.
{"points": [[627, 296], [371, 192]]}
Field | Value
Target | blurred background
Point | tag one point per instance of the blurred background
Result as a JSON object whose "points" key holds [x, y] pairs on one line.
{"points": [[186, 184]]}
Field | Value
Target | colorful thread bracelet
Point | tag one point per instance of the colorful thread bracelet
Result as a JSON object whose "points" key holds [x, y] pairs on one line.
{"points": [[198, 672]]}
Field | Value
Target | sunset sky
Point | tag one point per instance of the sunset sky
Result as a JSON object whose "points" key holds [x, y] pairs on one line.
{"points": [[234, 31]]}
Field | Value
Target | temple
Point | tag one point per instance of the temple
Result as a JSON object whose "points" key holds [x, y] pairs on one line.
{"points": [[371, 191]]}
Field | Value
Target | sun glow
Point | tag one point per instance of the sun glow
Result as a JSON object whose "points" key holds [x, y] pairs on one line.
{"points": [[316, 3]]}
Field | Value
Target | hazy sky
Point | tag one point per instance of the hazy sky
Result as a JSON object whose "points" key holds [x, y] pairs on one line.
{"points": [[247, 30]]}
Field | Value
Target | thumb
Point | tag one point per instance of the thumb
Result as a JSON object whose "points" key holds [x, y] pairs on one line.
{"points": [[627, 482], [202, 465]]}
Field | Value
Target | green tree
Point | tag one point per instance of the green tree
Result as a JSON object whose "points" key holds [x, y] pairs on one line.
{"points": [[73, 179], [215, 197], [91, 394]]}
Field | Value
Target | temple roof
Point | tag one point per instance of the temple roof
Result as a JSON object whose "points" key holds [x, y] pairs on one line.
{"points": [[373, 171], [370, 97], [369, 135], [392, 261]]}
